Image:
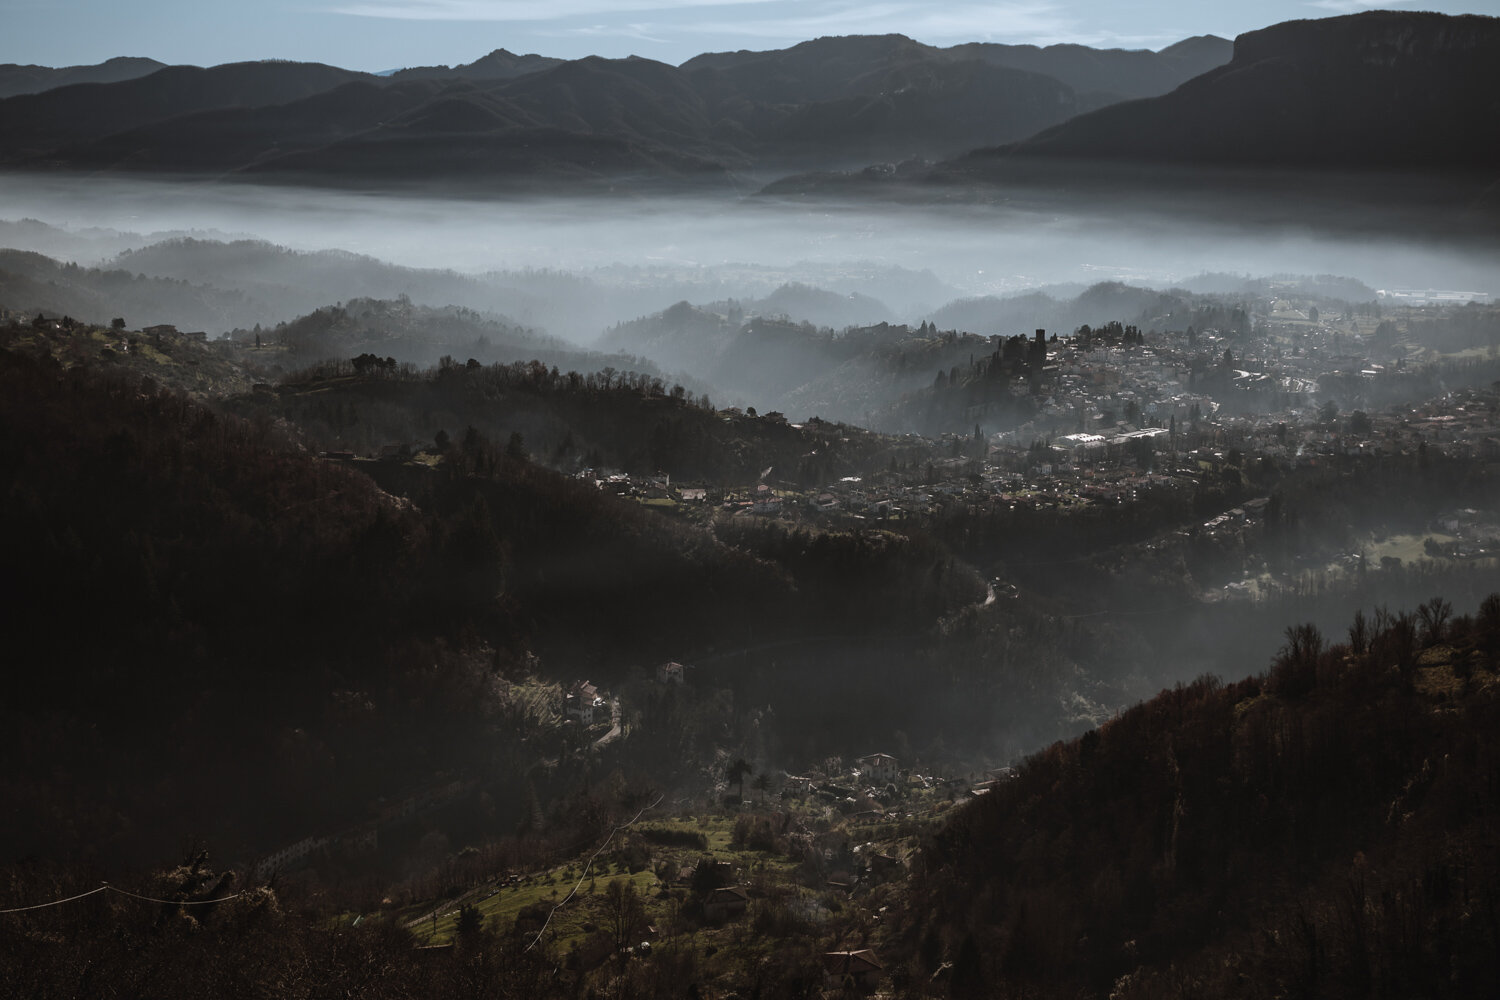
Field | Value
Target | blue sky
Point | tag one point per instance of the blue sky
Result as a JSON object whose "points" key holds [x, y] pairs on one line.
{"points": [[387, 34]]}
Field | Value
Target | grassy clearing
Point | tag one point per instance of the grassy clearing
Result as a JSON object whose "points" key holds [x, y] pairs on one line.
{"points": [[1471, 352], [1407, 548], [788, 902], [501, 904]]}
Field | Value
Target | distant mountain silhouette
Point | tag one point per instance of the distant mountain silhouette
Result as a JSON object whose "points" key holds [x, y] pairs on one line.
{"points": [[1368, 122], [928, 109], [818, 70], [540, 122], [1382, 88], [37, 124], [887, 95], [1109, 75], [225, 140], [829, 68], [16, 79], [498, 65]]}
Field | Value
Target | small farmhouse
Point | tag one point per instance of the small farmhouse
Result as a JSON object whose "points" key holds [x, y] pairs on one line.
{"points": [[860, 969], [722, 904], [581, 701], [878, 768]]}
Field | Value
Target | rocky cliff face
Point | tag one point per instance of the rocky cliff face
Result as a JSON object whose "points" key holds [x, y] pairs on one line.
{"points": [[1378, 38], [1382, 89]]}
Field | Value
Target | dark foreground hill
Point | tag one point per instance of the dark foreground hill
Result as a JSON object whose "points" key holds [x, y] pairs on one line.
{"points": [[1324, 830]]}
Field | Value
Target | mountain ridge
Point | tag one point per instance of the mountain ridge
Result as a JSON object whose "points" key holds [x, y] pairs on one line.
{"points": [[513, 118], [16, 79], [1354, 76]]}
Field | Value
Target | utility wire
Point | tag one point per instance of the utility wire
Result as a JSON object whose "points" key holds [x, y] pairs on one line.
{"points": [[55, 902], [106, 887], [175, 902], [584, 874]]}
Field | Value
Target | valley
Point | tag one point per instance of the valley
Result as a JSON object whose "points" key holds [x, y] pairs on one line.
{"points": [[948, 518]]}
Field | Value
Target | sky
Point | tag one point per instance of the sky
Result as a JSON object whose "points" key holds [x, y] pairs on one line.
{"points": [[379, 35]]}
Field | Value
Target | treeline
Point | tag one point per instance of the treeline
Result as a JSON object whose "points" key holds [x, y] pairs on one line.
{"points": [[861, 579], [408, 333], [1320, 830], [1457, 329], [30, 282], [608, 419], [1407, 385]]}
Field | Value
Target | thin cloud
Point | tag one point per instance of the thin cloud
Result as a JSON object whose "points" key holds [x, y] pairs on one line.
{"points": [[642, 32], [517, 10], [667, 22], [966, 21], [1353, 6]]}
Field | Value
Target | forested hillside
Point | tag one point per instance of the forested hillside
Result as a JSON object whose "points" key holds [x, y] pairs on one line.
{"points": [[1324, 829], [262, 623]]}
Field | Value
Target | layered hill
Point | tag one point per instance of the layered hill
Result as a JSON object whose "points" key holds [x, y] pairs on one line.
{"points": [[1101, 76], [44, 125], [835, 67], [762, 352], [498, 65], [29, 79], [32, 283]]}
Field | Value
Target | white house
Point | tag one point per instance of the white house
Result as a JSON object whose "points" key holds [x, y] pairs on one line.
{"points": [[581, 701], [878, 768]]}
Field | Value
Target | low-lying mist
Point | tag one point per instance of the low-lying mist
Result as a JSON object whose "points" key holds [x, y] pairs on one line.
{"points": [[722, 249], [590, 283]]}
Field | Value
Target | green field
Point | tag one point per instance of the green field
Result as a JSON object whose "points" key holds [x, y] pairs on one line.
{"points": [[575, 917]]}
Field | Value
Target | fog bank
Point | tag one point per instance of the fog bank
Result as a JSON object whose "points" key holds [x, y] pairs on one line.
{"points": [[733, 248]]}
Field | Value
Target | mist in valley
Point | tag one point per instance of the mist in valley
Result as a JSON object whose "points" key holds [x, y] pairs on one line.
{"points": [[747, 246], [571, 271]]}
